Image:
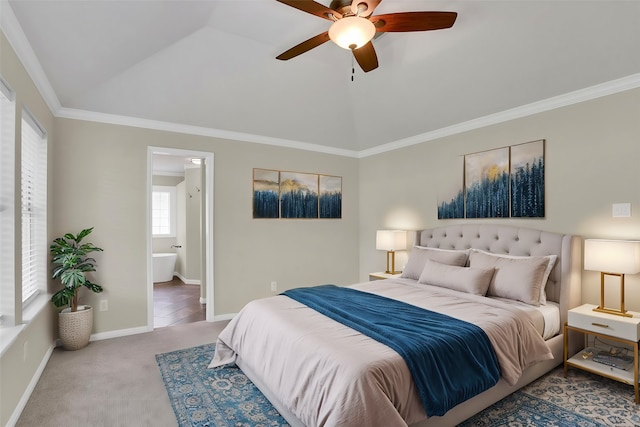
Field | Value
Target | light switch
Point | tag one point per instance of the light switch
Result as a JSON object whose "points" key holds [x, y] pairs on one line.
{"points": [[621, 210]]}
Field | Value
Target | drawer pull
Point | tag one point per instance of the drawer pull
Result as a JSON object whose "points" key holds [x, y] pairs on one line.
{"points": [[600, 324]]}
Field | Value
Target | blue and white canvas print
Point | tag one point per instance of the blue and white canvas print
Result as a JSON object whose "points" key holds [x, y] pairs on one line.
{"points": [[527, 180], [266, 193], [451, 199], [330, 196], [487, 184], [298, 195]]}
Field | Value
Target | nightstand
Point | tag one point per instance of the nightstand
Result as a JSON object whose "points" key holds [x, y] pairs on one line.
{"points": [[382, 275], [622, 330]]}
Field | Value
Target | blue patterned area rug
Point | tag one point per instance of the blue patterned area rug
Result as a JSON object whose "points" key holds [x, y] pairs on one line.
{"points": [[581, 399], [222, 397], [520, 409], [225, 397]]}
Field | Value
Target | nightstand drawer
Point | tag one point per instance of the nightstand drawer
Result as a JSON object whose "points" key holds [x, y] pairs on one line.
{"points": [[584, 317]]}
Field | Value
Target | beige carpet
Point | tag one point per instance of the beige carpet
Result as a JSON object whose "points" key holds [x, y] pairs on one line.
{"points": [[113, 382]]}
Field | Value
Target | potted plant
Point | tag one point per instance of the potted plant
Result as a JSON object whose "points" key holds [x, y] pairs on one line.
{"points": [[71, 265]]}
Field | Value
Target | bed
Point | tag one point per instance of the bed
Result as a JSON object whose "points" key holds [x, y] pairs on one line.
{"points": [[317, 371]]}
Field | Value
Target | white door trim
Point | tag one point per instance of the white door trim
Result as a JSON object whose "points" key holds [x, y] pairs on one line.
{"points": [[208, 200]]}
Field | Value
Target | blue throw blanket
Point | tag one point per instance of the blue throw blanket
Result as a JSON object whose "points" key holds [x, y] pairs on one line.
{"points": [[450, 360]]}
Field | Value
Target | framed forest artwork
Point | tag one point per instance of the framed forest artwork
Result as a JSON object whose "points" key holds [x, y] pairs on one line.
{"points": [[486, 177], [266, 193], [451, 199], [527, 180], [296, 195], [501, 183], [330, 196]]}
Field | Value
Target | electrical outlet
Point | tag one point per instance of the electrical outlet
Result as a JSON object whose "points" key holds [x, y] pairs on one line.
{"points": [[274, 286], [104, 305]]}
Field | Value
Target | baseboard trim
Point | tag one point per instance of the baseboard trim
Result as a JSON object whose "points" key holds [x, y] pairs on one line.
{"points": [[185, 280], [32, 385], [224, 317], [120, 333]]}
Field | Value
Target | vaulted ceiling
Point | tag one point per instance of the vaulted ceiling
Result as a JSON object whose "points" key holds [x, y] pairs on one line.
{"points": [[210, 65]]}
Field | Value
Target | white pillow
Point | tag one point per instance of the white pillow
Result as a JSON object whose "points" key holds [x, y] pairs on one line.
{"points": [[551, 262], [517, 278], [419, 255], [464, 279]]}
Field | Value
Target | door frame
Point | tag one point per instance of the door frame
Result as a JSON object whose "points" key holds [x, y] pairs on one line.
{"points": [[208, 256]]}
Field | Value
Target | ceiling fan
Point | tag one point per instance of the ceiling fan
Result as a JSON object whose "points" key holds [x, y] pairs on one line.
{"points": [[354, 26]]}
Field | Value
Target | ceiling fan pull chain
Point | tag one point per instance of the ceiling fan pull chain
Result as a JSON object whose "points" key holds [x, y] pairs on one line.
{"points": [[353, 68]]}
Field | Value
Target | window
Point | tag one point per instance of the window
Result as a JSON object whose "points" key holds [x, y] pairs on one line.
{"points": [[34, 208], [163, 211], [7, 207]]}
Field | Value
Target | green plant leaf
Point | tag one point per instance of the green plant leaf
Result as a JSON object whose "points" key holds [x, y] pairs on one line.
{"points": [[70, 265], [83, 234], [62, 297], [94, 287], [73, 278]]}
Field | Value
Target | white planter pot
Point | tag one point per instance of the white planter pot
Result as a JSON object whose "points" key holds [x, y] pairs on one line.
{"points": [[75, 327]]}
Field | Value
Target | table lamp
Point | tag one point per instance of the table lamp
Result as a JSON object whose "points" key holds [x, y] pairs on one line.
{"points": [[612, 258], [391, 241]]}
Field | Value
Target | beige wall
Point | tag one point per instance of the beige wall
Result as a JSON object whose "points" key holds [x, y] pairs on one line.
{"points": [[190, 231], [163, 244], [166, 180], [249, 253], [592, 160]]}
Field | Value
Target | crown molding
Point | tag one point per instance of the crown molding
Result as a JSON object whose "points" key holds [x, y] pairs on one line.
{"points": [[70, 113], [575, 97]]}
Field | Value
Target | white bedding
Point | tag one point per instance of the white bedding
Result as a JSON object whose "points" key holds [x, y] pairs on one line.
{"points": [[328, 374], [550, 313]]}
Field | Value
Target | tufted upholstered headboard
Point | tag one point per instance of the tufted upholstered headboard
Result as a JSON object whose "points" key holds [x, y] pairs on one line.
{"points": [[564, 284]]}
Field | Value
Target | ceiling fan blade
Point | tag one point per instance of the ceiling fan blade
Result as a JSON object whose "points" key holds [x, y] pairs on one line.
{"points": [[304, 46], [414, 21], [366, 57], [364, 8], [313, 8]]}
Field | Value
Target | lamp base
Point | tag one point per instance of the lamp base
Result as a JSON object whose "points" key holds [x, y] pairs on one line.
{"points": [[612, 311], [391, 270], [601, 308]]}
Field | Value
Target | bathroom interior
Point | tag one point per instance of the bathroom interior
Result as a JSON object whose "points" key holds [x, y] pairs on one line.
{"points": [[177, 243]]}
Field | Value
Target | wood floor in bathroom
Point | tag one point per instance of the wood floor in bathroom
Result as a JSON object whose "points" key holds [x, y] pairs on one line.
{"points": [[175, 303]]}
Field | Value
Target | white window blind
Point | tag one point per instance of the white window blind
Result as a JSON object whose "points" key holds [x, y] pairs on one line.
{"points": [[7, 206], [163, 211], [34, 207]]}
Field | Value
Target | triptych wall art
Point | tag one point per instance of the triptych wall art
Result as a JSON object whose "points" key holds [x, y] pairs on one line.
{"points": [[289, 195], [501, 183]]}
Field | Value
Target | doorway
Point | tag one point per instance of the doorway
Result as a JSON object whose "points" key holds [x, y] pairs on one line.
{"points": [[193, 245]]}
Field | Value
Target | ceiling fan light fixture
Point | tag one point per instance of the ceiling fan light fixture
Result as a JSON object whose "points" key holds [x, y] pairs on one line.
{"points": [[352, 32]]}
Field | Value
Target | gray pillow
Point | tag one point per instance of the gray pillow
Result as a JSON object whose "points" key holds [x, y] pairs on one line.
{"points": [[464, 279], [419, 255], [514, 278], [551, 259]]}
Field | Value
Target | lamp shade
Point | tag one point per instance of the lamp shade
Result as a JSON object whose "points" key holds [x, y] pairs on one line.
{"points": [[352, 32], [391, 240], [612, 256]]}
